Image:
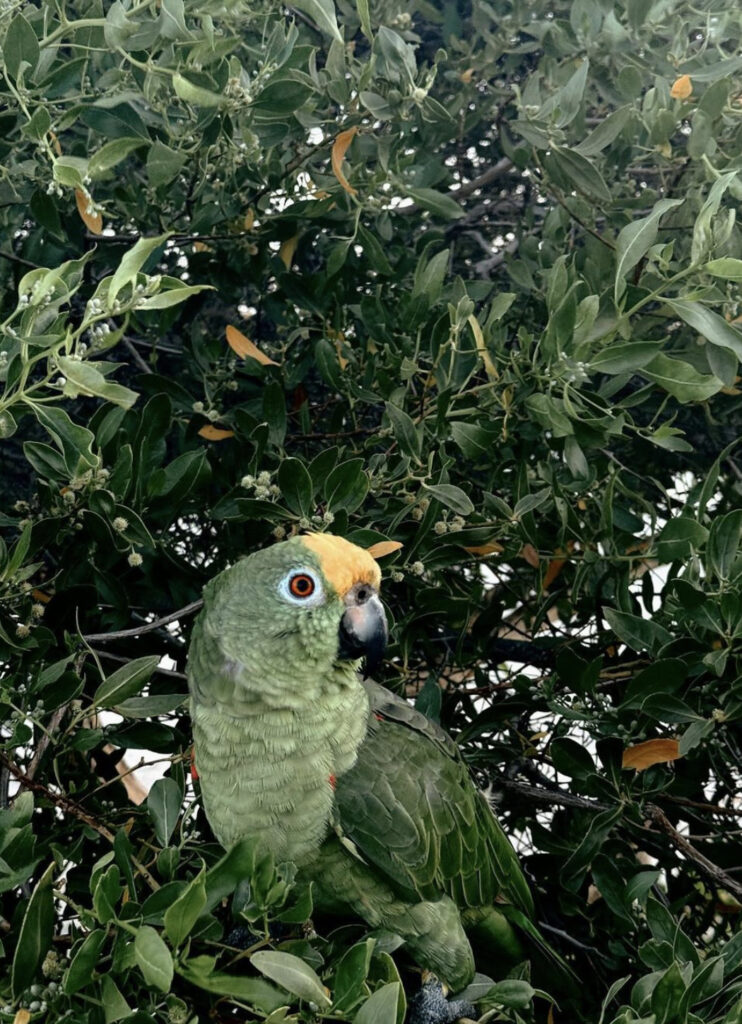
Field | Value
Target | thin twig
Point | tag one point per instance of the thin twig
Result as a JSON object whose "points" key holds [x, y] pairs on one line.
{"points": [[498, 170], [68, 805], [550, 796], [158, 671], [18, 259], [146, 627], [711, 870], [143, 366], [45, 740], [701, 806]]}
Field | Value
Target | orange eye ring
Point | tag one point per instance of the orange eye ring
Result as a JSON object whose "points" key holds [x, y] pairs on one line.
{"points": [[301, 585]]}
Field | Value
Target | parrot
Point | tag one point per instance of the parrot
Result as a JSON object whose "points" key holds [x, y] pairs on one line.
{"points": [[370, 799]]}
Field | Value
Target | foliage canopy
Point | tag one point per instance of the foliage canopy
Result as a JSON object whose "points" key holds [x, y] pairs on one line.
{"points": [[464, 277]]}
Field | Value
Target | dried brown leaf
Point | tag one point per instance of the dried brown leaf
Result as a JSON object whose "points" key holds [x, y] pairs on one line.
{"points": [[383, 547], [92, 221], [644, 755], [244, 347], [339, 149], [212, 433]]}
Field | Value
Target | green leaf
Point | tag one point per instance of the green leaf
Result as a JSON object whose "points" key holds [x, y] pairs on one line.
{"points": [[712, 326], [452, 497], [346, 486], [678, 537], [607, 131], [723, 543], [125, 681], [84, 379], [196, 95], [20, 46], [364, 17], [728, 268], [83, 963], [8, 425], [383, 1006], [111, 154], [291, 973], [75, 442], [667, 995], [296, 486], [37, 930], [625, 358], [115, 1006], [565, 102], [132, 263], [163, 803], [350, 978], [576, 170], [640, 634], [635, 239], [150, 707], [512, 993], [405, 432], [274, 411], [438, 203], [182, 915], [164, 164], [571, 758], [153, 958], [200, 971], [172, 296], [322, 13], [681, 379]]}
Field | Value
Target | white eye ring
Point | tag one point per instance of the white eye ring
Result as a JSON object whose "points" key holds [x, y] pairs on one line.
{"points": [[289, 591]]}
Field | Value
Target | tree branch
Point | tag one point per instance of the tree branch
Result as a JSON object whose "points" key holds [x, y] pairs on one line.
{"points": [[712, 871], [146, 627], [68, 805]]}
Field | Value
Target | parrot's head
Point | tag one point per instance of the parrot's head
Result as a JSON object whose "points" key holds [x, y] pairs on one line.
{"points": [[295, 609]]}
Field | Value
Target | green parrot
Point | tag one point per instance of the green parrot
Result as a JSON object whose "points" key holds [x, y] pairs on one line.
{"points": [[369, 798]]}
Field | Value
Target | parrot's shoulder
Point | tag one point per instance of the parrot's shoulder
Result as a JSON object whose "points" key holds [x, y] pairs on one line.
{"points": [[388, 706]]}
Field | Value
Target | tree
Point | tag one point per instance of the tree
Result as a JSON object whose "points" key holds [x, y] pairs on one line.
{"points": [[460, 277]]}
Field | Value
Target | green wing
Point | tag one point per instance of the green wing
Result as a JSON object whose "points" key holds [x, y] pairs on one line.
{"points": [[412, 809]]}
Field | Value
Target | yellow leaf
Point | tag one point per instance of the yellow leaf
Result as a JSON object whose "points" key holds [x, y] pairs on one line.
{"points": [[92, 221], [287, 250], [249, 220], [384, 547], [244, 347], [339, 149], [465, 76], [644, 755], [530, 554], [55, 143], [681, 88], [40, 596], [476, 330], [491, 548], [22, 1017], [341, 358], [201, 247], [553, 569], [212, 433]]}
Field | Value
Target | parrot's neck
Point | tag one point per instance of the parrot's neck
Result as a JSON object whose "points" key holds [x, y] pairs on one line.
{"points": [[270, 770]]}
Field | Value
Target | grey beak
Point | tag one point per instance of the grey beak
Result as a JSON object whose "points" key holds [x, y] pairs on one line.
{"points": [[363, 629]]}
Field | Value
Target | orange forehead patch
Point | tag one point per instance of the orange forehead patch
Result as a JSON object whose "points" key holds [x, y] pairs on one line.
{"points": [[343, 564]]}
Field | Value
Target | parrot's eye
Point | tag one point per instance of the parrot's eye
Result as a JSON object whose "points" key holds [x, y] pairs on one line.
{"points": [[301, 586]]}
